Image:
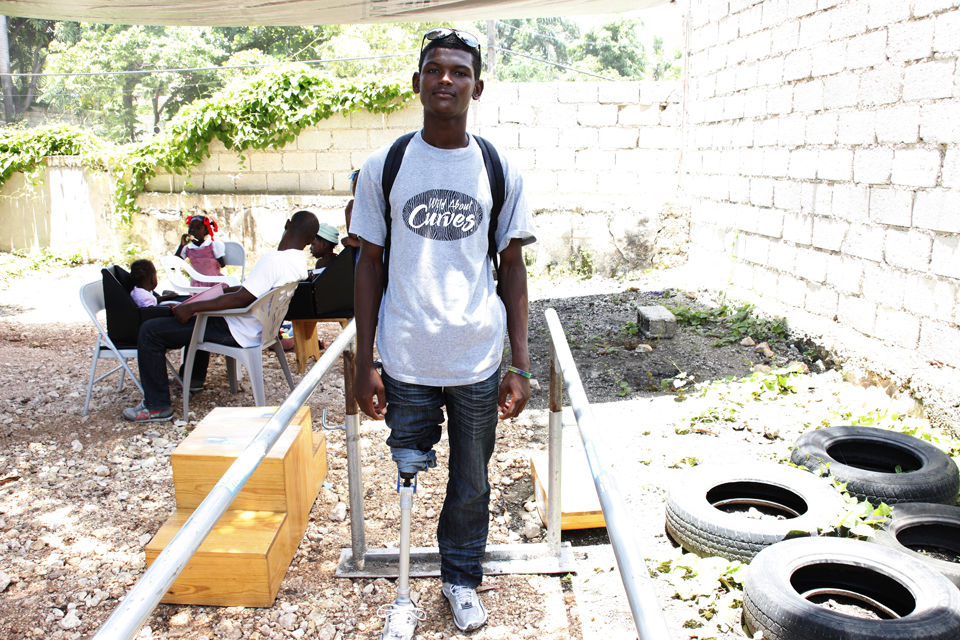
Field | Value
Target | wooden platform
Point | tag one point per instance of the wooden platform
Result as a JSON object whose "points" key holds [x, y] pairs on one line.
{"points": [[244, 559], [579, 504], [305, 342]]}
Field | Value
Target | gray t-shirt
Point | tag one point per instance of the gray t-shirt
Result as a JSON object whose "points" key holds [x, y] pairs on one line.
{"points": [[441, 321]]}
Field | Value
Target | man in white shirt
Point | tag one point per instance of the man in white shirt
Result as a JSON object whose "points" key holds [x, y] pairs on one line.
{"points": [[275, 269]]}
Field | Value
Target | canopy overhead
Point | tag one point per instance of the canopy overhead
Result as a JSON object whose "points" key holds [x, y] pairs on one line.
{"points": [[236, 13]]}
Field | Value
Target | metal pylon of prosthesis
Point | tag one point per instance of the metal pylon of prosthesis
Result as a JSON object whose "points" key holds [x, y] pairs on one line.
{"points": [[406, 491]]}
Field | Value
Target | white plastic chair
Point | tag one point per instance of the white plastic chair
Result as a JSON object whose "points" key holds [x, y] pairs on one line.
{"points": [[91, 297], [235, 256], [268, 310], [173, 267]]}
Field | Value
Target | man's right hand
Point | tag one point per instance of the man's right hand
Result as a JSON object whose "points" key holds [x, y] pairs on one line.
{"points": [[369, 392]]}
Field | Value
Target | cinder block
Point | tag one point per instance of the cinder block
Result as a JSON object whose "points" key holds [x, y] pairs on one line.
{"points": [[230, 162], [757, 250], [898, 327], [618, 92], [850, 202], [844, 273], [835, 164], [761, 192], [937, 210], [533, 92], [930, 297], [929, 80], [558, 159], [891, 206], [283, 182], [638, 114], [302, 161], [536, 137], [770, 223], [656, 322], [900, 123], [248, 182], [848, 19], [923, 8], [350, 139], [578, 181], [910, 40], [908, 249], [580, 92], [841, 90], [940, 341], [364, 119], [616, 138], [946, 33], [814, 30], [557, 115], [595, 159], [315, 181], [867, 50], [597, 115], [864, 241], [791, 131], [884, 285], [517, 114], [786, 36], [266, 162], [767, 132], [857, 127], [770, 71], [411, 117], [808, 96], [821, 128], [881, 86], [313, 139], [786, 195], [797, 65], [946, 256], [505, 136], [881, 14], [940, 122], [218, 183], [335, 121], [577, 138], [916, 167], [334, 161], [950, 174], [546, 182], [812, 265], [784, 258], [803, 164], [857, 312], [828, 233], [791, 290], [830, 58], [821, 197], [776, 162], [872, 166], [822, 300]]}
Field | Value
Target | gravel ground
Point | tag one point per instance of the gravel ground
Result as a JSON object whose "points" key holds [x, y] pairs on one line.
{"points": [[81, 496]]}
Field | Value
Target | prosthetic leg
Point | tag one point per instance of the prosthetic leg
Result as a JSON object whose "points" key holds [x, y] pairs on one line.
{"points": [[402, 616]]}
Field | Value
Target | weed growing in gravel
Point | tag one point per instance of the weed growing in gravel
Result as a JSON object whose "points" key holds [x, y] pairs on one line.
{"points": [[715, 583], [18, 263], [737, 323]]}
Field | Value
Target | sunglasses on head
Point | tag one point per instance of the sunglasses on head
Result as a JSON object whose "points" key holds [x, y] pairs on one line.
{"points": [[440, 33]]}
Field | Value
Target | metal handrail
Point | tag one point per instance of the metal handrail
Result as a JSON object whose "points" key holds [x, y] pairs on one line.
{"points": [[647, 614], [132, 612]]}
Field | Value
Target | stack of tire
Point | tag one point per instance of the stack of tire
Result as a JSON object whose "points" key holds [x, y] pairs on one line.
{"points": [[909, 595]]}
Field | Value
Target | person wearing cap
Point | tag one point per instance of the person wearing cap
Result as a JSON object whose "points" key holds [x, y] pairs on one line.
{"points": [[323, 245]]}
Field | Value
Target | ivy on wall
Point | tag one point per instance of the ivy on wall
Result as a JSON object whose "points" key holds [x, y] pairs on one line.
{"points": [[266, 112]]}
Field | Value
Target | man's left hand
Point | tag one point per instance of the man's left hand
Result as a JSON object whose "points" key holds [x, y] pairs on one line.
{"points": [[182, 312], [514, 393]]}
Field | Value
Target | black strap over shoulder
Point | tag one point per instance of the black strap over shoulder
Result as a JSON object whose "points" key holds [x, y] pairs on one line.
{"points": [[391, 167], [491, 161]]}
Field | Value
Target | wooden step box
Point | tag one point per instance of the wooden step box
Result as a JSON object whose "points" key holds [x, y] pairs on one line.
{"points": [[244, 559]]}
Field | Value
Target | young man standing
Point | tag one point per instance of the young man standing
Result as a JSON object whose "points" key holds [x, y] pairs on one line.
{"points": [[436, 313], [275, 269]]}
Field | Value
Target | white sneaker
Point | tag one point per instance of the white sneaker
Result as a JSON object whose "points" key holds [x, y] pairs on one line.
{"points": [[400, 621], [468, 612]]}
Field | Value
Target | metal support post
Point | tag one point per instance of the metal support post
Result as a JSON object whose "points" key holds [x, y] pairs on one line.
{"points": [[358, 535], [554, 509]]}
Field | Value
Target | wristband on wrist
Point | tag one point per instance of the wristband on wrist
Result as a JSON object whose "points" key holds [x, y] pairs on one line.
{"points": [[519, 372]]}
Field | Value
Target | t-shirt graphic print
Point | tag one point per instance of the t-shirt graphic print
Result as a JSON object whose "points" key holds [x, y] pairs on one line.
{"points": [[442, 214]]}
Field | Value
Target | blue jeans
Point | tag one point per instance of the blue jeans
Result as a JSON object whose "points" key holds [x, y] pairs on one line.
{"points": [[414, 414], [159, 335]]}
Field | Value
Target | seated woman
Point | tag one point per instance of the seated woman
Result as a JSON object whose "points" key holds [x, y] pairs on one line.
{"points": [[322, 247]]}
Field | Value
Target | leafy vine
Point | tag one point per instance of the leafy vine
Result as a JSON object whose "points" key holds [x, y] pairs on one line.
{"points": [[268, 111]]}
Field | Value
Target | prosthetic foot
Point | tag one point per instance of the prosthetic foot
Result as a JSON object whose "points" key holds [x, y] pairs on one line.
{"points": [[402, 616]]}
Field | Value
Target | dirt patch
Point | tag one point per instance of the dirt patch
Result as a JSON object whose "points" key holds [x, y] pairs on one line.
{"points": [[81, 496]]}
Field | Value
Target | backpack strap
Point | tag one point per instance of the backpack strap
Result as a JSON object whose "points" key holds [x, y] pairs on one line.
{"points": [[391, 167], [491, 160]]}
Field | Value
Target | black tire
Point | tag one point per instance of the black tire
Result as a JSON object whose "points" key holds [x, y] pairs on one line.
{"points": [[696, 519], [927, 603], [924, 525], [866, 459]]}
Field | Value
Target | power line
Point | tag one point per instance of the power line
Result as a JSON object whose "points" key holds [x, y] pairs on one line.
{"points": [[240, 66], [556, 64]]}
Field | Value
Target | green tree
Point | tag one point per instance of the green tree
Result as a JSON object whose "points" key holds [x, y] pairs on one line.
{"points": [[613, 50], [118, 102], [544, 40], [665, 65], [28, 43]]}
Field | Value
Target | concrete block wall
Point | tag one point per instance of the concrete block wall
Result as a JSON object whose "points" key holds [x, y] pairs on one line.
{"points": [[589, 138], [822, 158]]}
